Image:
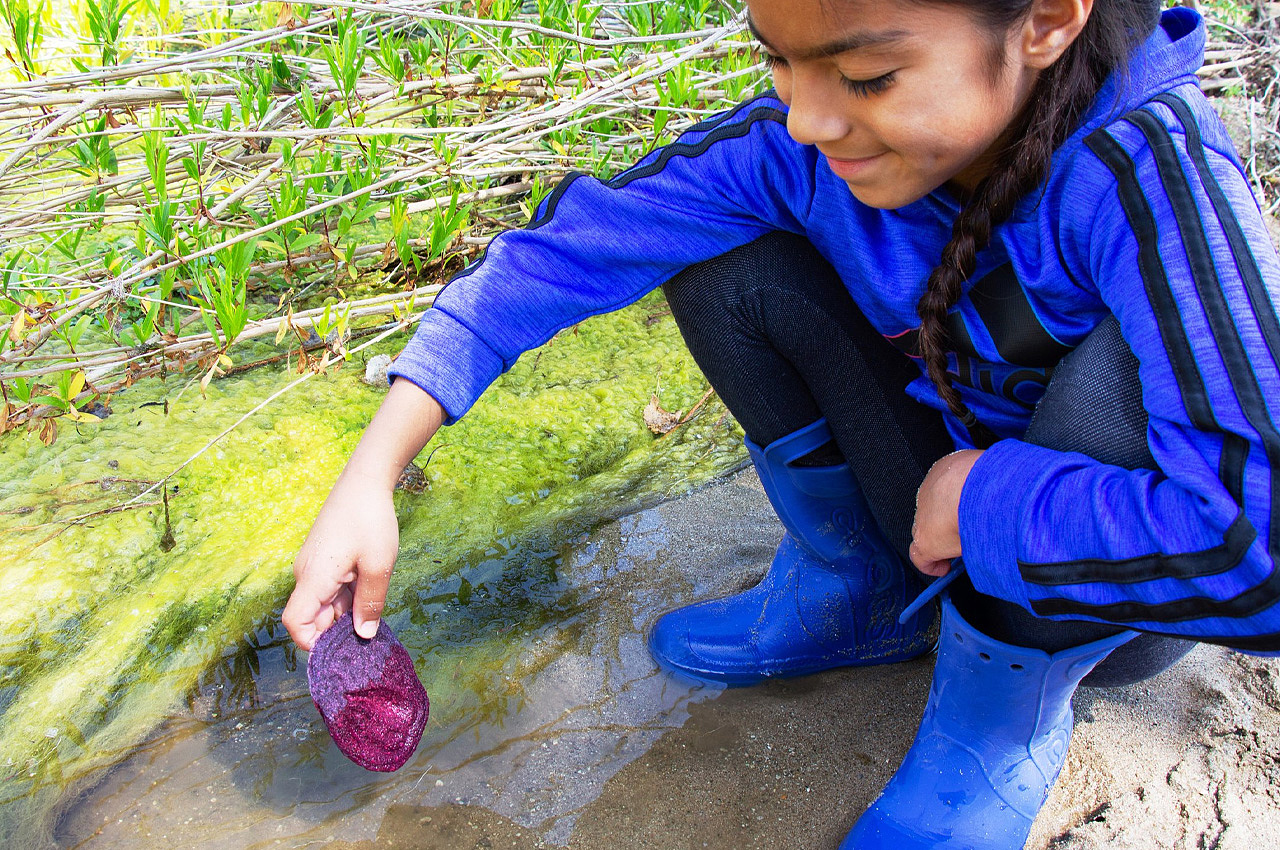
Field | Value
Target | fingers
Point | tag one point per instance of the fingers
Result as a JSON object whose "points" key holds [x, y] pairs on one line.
{"points": [[317, 600], [926, 561], [369, 598], [300, 618], [342, 603]]}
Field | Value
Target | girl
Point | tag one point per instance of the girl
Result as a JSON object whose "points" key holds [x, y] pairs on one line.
{"points": [[983, 278]]}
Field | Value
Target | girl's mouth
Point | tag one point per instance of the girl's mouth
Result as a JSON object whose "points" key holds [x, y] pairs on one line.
{"points": [[849, 169]]}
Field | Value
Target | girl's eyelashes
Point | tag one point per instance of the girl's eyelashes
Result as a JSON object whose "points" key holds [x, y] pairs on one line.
{"points": [[858, 88], [867, 88]]}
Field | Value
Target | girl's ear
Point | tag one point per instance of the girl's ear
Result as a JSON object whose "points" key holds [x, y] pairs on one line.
{"points": [[1049, 29]]}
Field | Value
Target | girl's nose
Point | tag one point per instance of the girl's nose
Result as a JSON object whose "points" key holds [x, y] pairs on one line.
{"points": [[815, 114]]}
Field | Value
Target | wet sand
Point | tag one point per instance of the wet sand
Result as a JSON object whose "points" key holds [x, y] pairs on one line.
{"points": [[1190, 759]]}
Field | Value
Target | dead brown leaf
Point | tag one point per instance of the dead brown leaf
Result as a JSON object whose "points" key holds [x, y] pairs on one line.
{"points": [[658, 420], [48, 431]]}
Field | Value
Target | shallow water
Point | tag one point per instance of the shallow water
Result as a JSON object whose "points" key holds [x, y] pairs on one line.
{"points": [[120, 618], [534, 739]]}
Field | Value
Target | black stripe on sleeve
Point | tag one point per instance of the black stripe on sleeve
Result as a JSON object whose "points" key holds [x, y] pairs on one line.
{"points": [[686, 149], [1246, 262], [1240, 535], [1156, 281], [548, 211], [1208, 286], [720, 130], [1250, 273], [1212, 561], [1249, 643], [716, 120], [1251, 601], [553, 200]]}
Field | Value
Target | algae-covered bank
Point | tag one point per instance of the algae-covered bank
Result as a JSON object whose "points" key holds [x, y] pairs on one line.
{"points": [[114, 622]]}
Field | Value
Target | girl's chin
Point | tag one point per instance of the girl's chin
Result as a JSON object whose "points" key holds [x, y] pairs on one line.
{"points": [[884, 197]]}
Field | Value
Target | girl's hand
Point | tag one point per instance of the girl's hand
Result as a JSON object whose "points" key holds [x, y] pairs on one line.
{"points": [[346, 561], [935, 536]]}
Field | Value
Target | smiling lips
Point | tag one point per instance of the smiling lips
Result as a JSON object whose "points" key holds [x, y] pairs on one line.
{"points": [[849, 169]]}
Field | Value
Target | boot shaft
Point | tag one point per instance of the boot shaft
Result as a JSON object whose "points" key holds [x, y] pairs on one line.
{"points": [[821, 506], [1026, 690], [991, 744]]}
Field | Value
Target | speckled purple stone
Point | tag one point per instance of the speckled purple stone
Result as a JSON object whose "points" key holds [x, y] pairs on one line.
{"points": [[368, 694]]}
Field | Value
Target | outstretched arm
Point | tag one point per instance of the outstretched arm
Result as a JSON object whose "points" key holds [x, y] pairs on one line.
{"points": [[594, 246], [346, 561]]}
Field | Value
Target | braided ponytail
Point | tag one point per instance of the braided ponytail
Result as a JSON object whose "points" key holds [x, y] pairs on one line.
{"points": [[1058, 101]]}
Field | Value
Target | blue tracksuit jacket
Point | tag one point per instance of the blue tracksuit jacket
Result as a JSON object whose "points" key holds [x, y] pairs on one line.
{"points": [[1146, 213]]}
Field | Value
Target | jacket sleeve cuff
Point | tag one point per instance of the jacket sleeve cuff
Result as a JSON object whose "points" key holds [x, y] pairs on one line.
{"points": [[991, 519], [449, 362]]}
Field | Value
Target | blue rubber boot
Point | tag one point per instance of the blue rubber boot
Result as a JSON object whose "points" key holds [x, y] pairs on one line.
{"points": [[831, 597], [993, 738]]}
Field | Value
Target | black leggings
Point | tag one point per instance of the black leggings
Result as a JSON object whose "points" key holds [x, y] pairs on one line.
{"points": [[779, 337]]}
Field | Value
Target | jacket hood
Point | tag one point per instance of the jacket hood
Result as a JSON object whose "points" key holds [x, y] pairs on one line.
{"points": [[1168, 58]]}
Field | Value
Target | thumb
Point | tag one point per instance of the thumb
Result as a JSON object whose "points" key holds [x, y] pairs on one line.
{"points": [[369, 599]]}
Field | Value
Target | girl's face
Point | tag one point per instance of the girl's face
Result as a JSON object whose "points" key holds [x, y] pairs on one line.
{"points": [[901, 98]]}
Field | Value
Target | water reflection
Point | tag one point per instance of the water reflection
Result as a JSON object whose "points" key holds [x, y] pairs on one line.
{"points": [[541, 690]]}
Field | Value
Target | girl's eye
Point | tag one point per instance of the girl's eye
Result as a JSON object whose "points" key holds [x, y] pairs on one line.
{"points": [[858, 88], [868, 88]]}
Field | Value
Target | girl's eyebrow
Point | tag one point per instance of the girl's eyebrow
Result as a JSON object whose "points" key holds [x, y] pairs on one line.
{"points": [[843, 44]]}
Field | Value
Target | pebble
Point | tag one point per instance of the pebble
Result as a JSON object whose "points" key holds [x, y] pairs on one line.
{"points": [[375, 371]]}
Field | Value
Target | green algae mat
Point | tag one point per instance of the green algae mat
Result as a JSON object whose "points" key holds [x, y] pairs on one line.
{"points": [[117, 608]]}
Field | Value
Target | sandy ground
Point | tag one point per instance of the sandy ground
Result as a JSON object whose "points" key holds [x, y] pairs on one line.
{"points": [[1190, 759]]}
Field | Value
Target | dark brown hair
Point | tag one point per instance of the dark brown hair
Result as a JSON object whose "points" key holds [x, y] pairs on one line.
{"points": [[1057, 103]]}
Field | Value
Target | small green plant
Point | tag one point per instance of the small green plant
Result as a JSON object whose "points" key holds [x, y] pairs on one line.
{"points": [[155, 298], [223, 293], [158, 212], [390, 57], [422, 56], [331, 324], [360, 173], [67, 242], [445, 227], [24, 26], [21, 389], [554, 14], [92, 151], [400, 236], [312, 114], [106, 20], [346, 57], [292, 238], [73, 332], [259, 84], [215, 22], [62, 393]]}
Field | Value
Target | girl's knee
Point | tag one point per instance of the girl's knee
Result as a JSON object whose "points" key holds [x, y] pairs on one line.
{"points": [[1093, 403]]}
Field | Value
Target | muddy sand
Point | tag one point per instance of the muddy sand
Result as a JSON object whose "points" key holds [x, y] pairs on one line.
{"points": [[603, 752]]}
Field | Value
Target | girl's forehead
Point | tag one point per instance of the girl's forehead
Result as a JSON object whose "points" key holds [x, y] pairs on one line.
{"points": [[814, 28]]}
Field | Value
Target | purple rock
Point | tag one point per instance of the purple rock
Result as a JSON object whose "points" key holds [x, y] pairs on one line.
{"points": [[368, 695]]}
